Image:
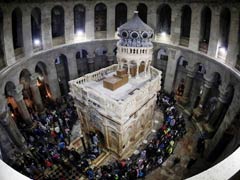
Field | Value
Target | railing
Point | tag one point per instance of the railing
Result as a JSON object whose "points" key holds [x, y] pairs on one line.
{"points": [[135, 50]]}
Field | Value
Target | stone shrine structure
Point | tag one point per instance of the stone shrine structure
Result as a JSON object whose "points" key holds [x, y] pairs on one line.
{"points": [[122, 115]]}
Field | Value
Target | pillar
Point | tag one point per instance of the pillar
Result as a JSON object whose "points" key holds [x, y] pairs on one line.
{"points": [[110, 20], [10, 126], [27, 33], [137, 73], [214, 33], [110, 60], [46, 28], [131, 6], [89, 23], [7, 37], [69, 23], [37, 99], [188, 87], [195, 27], [175, 24], [53, 82], [171, 71], [72, 65], [91, 65], [233, 45], [17, 94], [215, 119], [152, 16], [198, 112]]}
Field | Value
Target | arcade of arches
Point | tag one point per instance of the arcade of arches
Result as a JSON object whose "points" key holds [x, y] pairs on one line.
{"points": [[45, 44]]}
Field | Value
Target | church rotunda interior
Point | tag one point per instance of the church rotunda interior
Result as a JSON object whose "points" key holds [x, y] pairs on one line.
{"points": [[188, 128]]}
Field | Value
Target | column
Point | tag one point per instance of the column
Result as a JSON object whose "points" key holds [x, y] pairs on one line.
{"points": [[46, 27], [69, 23], [9, 125], [132, 6], [152, 16], [215, 119], [198, 112], [171, 71], [17, 94], [195, 27], [7, 37], [53, 82], [110, 60], [72, 65], [137, 73], [233, 45], [91, 67], [110, 20], [175, 24], [188, 87], [27, 34], [89, 23], [37, 99], [129, 74], [214, 33]]}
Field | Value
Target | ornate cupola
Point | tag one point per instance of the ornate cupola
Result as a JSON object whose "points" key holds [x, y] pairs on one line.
{"points": [[134, 49]]}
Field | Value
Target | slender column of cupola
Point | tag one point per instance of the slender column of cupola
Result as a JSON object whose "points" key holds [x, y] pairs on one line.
{"points": [[17, 94], [233, 45], [37, 99], [214, 33], [175, 23], [188, 86], [69, 22], [7, 36], [215, 119], [89, 22], [171, 71], [27, 34], [208, 83], [195, 27], [72, 65], [46, 27], [10, 126], [111, 20]]}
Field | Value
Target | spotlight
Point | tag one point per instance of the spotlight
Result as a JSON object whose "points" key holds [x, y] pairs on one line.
{"points": [[36, 42], [222, 50], [79, 32], [163, 33]]}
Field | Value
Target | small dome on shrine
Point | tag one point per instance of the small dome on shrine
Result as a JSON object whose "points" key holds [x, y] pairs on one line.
{"points": [[135, 33]]}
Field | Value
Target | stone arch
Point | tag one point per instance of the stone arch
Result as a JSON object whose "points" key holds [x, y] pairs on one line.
{"points": [[120, 14], [79, 19], [36, 23], [185, 30], [164, 12], [17, 31], [57, 20], [205, 28]]}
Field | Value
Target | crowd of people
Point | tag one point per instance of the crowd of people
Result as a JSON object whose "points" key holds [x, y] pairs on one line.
{"points": [[154, 153], [47, 145]]}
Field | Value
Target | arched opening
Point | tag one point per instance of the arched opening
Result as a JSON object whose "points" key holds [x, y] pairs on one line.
{"points": [[161, 59], [100, 21], [25, 80], [9, 93], [17, 32], [206, 16], [57, 15], [2, 61], [36, 29], [79, 19], [100, 58], [185, 25], [42, 80], [61, 65], [225, 19], [120, 15], [142, 12], [82, 62], [164, 19]]}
